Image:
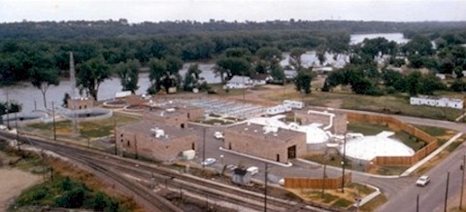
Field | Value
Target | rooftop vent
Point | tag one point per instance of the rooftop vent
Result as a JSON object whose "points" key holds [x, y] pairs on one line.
{"points": [[158, 133]]}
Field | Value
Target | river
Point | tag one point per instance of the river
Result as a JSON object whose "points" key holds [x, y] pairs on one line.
{"points": [[30, 97]]}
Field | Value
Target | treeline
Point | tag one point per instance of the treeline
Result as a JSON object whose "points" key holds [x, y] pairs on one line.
{"points": [[121, 28]]}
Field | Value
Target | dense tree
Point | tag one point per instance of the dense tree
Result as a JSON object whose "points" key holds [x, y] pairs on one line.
{"points": [[164, 73], [158, 68], [42, 74], [90, 74], [302, 82], [128, 73], [418, 45], [277, 73], [191, 78], [295, 58], [227, 67]]}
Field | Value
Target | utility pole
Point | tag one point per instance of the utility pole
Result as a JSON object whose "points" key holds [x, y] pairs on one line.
{"points": [[53, 122], [265, 188], [323, 180], [7, 109], [462, 182], [203, 147], [417, 203], [115, 135], [343, 166], [17, 132], [446, 193]]}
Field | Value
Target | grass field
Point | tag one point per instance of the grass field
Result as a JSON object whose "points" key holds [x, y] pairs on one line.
{"points": [[391, 104], [87, 129]]}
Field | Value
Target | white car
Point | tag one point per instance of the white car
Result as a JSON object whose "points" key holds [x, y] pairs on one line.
{"points": [[253, 170], [218, 135], [208, 161], [423, 180]]}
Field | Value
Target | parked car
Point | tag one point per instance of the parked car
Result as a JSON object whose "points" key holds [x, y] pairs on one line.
{"points": [[253, 170], [218, 135], [423, 180], [208, 161]]}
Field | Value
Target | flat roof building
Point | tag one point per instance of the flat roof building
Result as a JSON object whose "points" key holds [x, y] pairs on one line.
{"points": [[333, 121], [173, 115], [159, 142], [267, 142]]}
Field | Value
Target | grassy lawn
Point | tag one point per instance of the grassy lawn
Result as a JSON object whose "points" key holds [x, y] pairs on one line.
{"points": [[392, 104], [88, 129], [390, 170], [433, 131], [334, 197], [331, 160]]}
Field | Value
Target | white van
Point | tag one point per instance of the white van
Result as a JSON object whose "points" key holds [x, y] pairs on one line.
{"points": [[253, 170]]}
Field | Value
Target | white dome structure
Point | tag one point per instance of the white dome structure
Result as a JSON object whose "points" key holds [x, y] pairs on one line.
{"points": [[368, 147]]}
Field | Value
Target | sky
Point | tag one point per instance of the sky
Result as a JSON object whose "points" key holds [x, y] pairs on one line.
{"points": [[136, 11]]}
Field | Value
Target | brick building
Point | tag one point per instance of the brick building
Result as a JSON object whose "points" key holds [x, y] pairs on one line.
{"points": [[154, 141], [173, 115], [265, 141], [80, 103], [334, 121]]}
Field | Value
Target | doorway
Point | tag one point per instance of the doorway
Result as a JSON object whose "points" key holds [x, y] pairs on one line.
{"points": [[292, 152]]}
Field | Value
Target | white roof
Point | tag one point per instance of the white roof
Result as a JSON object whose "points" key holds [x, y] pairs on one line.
{"points": [[369, 147], [314, 134], [239, 79], [122, 94]]}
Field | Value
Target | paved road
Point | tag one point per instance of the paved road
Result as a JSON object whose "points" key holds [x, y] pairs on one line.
{"points": [[433, 195]]}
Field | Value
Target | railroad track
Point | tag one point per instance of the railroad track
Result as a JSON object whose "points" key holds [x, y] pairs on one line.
{"points": [[199, 186]]}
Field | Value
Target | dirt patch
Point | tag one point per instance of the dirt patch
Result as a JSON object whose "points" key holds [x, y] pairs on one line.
{"points": [[12, 183]]}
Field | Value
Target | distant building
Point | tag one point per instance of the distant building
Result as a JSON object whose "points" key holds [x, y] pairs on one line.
{"points": [[154, 141], [441, 76], [333, 121], [173, 115], [267, 142], [80, 103], [437, 101], [239, 82]]}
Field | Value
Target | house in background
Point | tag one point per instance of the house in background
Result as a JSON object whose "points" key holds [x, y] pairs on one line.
{"points": [[437, 101]]}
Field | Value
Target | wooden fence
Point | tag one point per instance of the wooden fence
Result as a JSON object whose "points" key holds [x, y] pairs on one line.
{"points": [[328, 183], [397, 125]]}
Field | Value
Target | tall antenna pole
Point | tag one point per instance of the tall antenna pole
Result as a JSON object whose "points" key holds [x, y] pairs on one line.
{"points": [[265, 188]]}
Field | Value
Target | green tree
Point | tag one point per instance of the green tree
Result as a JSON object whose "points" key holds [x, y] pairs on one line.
{"points": [[295, 58], [91, 74], [302, 82], [191, 78], [277, 73], [418, 45], [128, 73], [42, 78], [158, 68], [231, 66]]}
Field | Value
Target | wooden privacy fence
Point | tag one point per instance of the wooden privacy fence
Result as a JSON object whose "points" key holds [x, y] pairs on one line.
{"points": [[328, 183], [397, 125]]}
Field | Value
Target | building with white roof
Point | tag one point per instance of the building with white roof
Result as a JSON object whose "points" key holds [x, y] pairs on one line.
{"points": [[437, 101]]}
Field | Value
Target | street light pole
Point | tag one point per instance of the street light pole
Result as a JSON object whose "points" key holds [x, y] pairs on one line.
{"points": [[446, 193], [462, 182], [343, 166], [417, 203], [265, 188], [203, 148]]}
